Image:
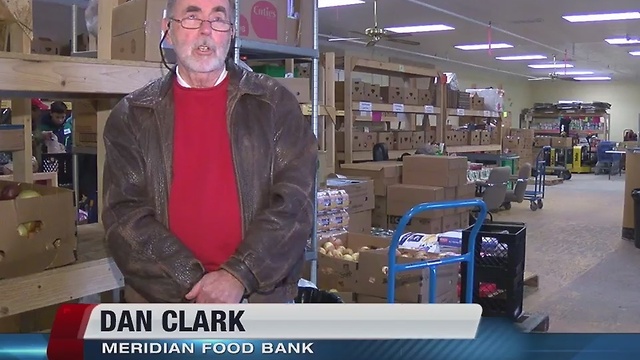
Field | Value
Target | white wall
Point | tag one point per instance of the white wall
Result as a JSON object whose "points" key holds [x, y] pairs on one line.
{"points": [[624, 98]]}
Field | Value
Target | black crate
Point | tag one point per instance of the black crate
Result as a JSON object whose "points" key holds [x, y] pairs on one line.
{"points": [[499, 267]]}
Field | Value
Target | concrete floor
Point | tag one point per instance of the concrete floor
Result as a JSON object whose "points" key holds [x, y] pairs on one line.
{"points": [[588, 275]]}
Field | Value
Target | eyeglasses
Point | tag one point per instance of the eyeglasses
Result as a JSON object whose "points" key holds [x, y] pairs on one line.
{"points": [[195, 24]]}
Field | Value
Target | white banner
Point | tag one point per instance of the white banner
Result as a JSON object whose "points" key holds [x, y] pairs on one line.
{"points": [[283, 321]]}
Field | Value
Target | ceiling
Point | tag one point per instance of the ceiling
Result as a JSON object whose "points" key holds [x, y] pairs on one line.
{"points": [[533, 27]]}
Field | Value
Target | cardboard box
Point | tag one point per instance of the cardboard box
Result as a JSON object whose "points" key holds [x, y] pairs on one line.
{"points": [[298, 87], [136, 30], [402, 197], [485, 137], [426, 97], [429, 170], [11, 137], [383, 173], [411, 286], [386, 137], [361, 141], [411, 96], [474, 137], [360, 222], [418, 139], [339, 274], [54, 245], [357, 91], [420, 225], [360, 191], [403, 140], [392, 94], [541, 141], [379, 213], [561, 142], [522, 133], [372, 93]]}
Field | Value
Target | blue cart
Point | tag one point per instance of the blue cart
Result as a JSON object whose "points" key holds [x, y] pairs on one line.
{"points": [[468, 257], [536, 195]]}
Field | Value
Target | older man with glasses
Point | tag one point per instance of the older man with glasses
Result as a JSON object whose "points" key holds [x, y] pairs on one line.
{"points": [[209, 174]]}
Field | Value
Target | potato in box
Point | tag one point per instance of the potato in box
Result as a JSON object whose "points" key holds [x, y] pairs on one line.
{"points": [[38, 229]]}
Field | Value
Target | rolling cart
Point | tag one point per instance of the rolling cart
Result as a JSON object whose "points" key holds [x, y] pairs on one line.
{"points": [[536, 195], [468, 257]]}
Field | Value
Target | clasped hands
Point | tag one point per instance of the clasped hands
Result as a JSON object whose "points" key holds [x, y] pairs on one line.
{"points": [[217, 287]]}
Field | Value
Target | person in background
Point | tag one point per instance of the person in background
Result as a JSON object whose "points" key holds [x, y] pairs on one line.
{"points": [[57, 122], [229, 229]]}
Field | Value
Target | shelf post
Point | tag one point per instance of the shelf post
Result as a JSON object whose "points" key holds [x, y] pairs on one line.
{"points": [[21, 112]]}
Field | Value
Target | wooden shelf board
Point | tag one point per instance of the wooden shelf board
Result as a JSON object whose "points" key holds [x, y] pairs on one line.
{"points": [[479, 113], [407, 109], [390, 69], [34, 75], [93, 273], [368, 155], [473, 148]]}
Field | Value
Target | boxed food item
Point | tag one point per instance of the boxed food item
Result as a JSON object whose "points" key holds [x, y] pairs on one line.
{"points": [[38, 228]]}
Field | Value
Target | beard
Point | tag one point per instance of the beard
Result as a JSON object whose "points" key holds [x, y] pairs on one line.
{"points": [[186, 54]]}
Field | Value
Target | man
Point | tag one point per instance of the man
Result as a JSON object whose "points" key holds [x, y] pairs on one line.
{"points": [[57, 122], [209, 175]]}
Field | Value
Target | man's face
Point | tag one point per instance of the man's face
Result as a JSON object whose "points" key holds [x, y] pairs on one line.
{"points": [[58, 118], [204, 49]]}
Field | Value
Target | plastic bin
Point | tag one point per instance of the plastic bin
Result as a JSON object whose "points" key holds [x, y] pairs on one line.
{"points": [[311, 295], [498, 285]]}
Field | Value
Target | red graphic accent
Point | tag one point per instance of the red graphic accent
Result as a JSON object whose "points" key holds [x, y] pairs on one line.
{"points": [[66, 339], [244, 26], [264, 20]]}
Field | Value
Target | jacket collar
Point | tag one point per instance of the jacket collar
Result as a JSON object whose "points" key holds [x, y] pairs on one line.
{"points": [[240, 82]]}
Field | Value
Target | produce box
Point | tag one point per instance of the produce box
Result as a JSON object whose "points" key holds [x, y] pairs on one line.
{"points": [[338, 259], [38, 228], [411, 286]]}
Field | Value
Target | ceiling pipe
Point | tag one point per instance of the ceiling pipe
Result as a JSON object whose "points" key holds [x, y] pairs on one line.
{"points": [[414, 53], [493, 28]]}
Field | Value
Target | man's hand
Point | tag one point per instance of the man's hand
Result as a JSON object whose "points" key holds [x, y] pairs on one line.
{"points": [[47, 135], [217, 287]]}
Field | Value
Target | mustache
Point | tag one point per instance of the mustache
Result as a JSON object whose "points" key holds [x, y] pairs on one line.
{"points": [[205, 42]]}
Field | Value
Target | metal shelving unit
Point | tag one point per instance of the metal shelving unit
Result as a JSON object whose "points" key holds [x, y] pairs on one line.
{"points": [[257, 50]]}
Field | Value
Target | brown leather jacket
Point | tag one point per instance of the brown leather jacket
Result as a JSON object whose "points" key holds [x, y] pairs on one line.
{"points": [[275, 156]]}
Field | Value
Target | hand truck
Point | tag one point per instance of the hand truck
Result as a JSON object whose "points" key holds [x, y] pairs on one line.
{"points": [[468, 257]]}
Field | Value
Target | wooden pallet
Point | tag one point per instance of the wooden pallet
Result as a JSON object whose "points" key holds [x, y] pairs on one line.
{"points": [[547, 181]]}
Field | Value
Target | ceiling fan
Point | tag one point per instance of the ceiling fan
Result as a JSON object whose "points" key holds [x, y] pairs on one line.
{"points": [[555, 75], [374, 34]]}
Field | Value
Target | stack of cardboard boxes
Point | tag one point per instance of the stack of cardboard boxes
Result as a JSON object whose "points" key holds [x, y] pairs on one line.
{"points": [[361, 202], [429, 179], [520, 142]]}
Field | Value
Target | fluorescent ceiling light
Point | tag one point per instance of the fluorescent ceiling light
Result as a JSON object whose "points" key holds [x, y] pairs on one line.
{"points": [[484, 46], [521, 57], [592, 78], [334, 3], [602, 17], [550, 66], [419, 28], [562, 72], [634, 53], [622, 41]]}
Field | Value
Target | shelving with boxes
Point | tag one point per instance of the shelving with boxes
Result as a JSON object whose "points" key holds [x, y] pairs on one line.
{"points": [[366, 105], [480, 126], [586, 119]]}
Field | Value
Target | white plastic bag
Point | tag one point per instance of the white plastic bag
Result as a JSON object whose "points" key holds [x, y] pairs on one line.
{"points": [[493, 98], [54, 147], [91, 17]]}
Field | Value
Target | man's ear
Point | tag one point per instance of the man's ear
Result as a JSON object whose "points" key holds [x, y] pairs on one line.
{"points": [[166, 27]]}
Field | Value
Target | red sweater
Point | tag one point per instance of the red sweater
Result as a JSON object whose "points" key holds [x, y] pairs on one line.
{"points": [[204, 209]]}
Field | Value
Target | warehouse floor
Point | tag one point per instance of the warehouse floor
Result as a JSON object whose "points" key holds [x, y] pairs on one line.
{"points": [[588, 275]]}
